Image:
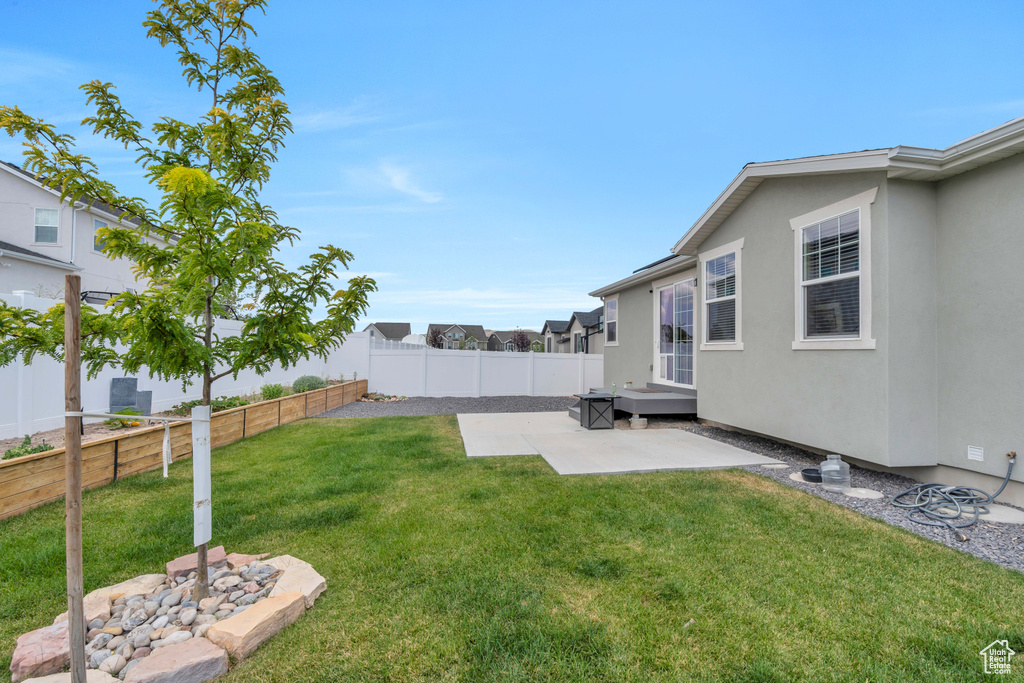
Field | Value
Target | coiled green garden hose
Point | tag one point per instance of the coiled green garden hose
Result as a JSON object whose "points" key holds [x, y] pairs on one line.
{"points": [[937, 504]]}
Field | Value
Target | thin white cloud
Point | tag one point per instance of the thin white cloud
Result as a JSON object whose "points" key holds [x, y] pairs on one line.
{"points": [[401, 179], [361, 111], [24, 66]]}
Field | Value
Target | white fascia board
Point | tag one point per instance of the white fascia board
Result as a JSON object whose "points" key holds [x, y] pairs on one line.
{"points": [[42, 261], [872, 160], [646, 275], [989, 145]]}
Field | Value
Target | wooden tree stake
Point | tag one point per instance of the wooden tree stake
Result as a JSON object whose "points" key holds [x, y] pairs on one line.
{"points": [[73, 473]]}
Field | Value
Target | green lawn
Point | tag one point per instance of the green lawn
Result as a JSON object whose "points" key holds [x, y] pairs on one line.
{"points": [[443, 568]]}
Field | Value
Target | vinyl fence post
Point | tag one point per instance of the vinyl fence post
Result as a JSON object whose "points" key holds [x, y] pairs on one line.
{"points": [[583, 372], [532, 379], [425, 356], [479, 373], [24, 390]]}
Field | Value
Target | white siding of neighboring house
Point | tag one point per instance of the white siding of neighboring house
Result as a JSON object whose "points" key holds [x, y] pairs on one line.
{"points": [[19, 197]]}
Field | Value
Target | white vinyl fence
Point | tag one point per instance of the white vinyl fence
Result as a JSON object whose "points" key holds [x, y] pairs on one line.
{"points": [[32, 396], [410, 370]]}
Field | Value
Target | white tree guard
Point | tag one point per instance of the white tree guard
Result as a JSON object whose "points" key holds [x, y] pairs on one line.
{"points": [[202, 507]]}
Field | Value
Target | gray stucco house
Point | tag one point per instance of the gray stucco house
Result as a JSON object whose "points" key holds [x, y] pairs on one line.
{"points": [[869, 304]]}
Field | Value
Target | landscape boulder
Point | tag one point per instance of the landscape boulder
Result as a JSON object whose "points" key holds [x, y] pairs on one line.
{"points": [[303, 579], [192, 661], [41, 652], [241, 634], [236, 560], [91, 676], [189, 563]]}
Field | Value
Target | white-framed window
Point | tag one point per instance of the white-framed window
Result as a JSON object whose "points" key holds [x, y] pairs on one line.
{"points": [[97, 242], [611, 321], [832, 275], [577, 342], [548, 343], [47, 226], [722, 293]]}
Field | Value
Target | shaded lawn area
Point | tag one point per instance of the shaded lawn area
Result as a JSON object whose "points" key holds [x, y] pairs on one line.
{"points": [[443, 568]]}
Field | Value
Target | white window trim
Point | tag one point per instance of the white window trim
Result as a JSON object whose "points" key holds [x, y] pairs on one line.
{"points": [[35, 224], [615, 298], [735, 247], [865, 340]]}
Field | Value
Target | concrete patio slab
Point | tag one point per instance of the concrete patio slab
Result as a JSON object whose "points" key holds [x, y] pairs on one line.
{"points": [[570, 449], [496, 434]]}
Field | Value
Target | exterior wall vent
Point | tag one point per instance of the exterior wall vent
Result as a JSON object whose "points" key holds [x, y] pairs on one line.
{"points": [[975, 453]]}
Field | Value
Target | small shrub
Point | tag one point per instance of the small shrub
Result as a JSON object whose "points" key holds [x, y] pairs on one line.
{"points": [[308, 383], [218, 404], [271, 391], [26, 448]]}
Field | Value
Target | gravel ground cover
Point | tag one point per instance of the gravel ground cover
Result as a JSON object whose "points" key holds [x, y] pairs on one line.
{"points": [[454, 405], [999, 543]]}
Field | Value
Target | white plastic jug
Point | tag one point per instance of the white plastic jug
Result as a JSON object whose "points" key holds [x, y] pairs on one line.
{"points": [[835, 474]]}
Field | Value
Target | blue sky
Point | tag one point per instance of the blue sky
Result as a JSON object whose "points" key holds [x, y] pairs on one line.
{"points": [[491, 163]]}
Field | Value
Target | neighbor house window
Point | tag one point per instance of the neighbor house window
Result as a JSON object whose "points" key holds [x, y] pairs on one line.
{"points": [[833, 283], [577, 342], [98, 243], [722, 297], [548, 341], [611, 321], [47, 226]]}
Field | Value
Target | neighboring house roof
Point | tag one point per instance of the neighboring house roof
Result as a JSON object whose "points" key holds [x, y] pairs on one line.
{"points": [[588, 318], [397, 331], [555, 326], [907, 163], [14, 251], [506, 335], [654, 271], [475, 331]]}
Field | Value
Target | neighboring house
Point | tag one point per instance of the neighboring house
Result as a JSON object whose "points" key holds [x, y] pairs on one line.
{"points": [[553, 333], [586, 331], [468, 337], [389, 331], [867, 304], [501, 340], [42, 239]]}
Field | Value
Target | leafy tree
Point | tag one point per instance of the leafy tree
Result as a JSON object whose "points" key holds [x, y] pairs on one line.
{"points": [[209, 237], [520, 341], [435, 338]]}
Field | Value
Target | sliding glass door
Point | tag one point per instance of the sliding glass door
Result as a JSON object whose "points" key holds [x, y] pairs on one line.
{"points": [[674, 346]]}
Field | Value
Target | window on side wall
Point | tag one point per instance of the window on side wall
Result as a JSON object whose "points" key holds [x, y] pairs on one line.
{"points": [[47, 226], [98, 243], [833, 283], [611, 321], [722, 289], [831, 277], [577, 342]]}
